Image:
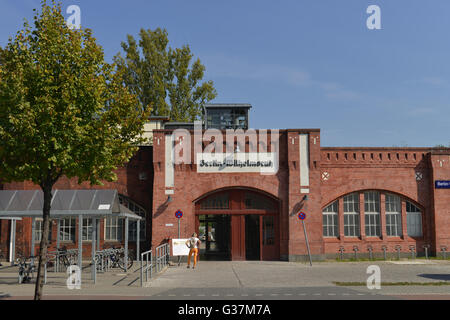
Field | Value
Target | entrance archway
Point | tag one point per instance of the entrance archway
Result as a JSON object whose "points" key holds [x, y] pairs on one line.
{"points": [[238, 224]]}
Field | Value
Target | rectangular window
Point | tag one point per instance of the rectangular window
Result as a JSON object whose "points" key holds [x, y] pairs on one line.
{"points": [[372, 213], [393, 215], [330, 220], [113, 229], [413, 220], [351, 215], [87, 229], [39, 228], [67, 229]]}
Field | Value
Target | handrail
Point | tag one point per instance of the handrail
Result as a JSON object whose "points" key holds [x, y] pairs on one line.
{"points": [[161, 259], [147, 266]]}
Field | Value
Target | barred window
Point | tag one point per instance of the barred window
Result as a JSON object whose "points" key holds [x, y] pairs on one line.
{"points": [[330, 220], [413, 220], [393, 215], [351, 215], [372, 213]]}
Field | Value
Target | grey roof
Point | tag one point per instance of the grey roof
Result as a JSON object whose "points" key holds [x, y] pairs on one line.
{"points": [[228, 105], [92, 203]]}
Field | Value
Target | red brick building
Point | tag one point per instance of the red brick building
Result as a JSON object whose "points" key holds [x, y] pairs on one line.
{"points": [[365, 197]]}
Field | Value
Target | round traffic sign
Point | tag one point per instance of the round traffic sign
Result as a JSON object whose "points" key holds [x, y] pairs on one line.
{"points": [[179, 214], [302, 215]]}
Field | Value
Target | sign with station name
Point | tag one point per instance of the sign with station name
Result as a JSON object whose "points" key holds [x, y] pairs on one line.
{"points": [[442, 184], [237, 162]]}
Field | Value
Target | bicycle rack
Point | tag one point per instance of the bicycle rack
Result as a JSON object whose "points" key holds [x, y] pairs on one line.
{"points": [[370, 249], [341, 250], [413, 251], [398, 248], [426, 247], [356, 249], [444, 252], [384, 248]]}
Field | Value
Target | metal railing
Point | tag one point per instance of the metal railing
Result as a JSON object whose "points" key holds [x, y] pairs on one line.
{"points": [[145, 268], [158, 261]]}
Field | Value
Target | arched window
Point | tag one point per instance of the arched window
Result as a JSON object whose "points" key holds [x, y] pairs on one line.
{"points": [[414, 220], [391, 210], [330, 220]]}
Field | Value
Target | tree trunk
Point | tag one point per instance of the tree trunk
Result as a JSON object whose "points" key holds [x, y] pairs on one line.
{"points": [[47, 189]]}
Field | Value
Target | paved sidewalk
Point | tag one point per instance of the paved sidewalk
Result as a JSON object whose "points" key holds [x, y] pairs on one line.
{"points": [[246, 280]]}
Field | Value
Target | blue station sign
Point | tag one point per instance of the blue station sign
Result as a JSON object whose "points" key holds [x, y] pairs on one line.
{"points": [[442, 184]]}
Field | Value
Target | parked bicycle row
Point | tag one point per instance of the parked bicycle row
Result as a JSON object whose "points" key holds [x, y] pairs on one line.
{"points": [[62, 258], [113, 258]]}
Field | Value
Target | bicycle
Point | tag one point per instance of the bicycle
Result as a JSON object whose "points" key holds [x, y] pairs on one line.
{"points": [[66, 257], [115, 258], [25, 269]]}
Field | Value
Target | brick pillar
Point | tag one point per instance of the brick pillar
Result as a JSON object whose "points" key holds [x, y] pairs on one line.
{"points": [[383, 215], [404, 221], [362, 218], [341, 218]]}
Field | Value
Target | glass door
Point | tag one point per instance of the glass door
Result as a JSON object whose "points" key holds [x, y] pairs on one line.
{"points": [[214, 233]]}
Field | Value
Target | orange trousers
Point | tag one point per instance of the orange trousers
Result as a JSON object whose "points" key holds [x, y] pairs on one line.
{"points": [[195, 252]]}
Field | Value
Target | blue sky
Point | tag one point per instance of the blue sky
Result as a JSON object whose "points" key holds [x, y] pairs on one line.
{"points": [[300, 63]]}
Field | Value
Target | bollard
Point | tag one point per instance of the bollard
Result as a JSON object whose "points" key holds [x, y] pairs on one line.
{"points": [[384, 248], [369, 248], [341, 250], [398, 248], [355, 248], [426, 246], [413, 251]]}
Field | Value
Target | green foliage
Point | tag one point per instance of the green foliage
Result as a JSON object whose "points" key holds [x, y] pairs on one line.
{"points": [[164, 78], [63, 109]]}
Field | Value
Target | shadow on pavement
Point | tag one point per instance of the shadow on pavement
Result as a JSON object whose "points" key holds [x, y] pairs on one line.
{"points": [[442, 277]]}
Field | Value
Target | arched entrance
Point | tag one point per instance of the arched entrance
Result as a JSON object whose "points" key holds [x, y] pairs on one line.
{"points": [[238, 224]]}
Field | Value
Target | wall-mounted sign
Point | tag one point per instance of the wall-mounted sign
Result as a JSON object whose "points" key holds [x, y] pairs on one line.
{"points": [[442, 184], [237, 162]]}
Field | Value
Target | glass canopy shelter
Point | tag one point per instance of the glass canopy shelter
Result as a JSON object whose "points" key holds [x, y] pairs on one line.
{"points": [[83, 204]]}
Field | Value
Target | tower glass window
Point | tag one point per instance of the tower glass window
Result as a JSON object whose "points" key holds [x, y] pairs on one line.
{"points": [[227, 116]]}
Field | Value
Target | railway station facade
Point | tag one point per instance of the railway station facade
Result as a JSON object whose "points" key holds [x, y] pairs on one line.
{"points": [[364, 199]]}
